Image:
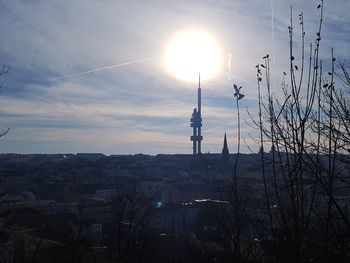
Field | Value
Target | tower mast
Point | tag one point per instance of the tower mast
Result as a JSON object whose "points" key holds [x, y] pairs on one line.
{"points": [[199, 113], [196, 121]]}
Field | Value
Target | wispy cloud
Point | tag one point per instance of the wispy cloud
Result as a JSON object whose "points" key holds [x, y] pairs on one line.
{"points": [[90, 75]]}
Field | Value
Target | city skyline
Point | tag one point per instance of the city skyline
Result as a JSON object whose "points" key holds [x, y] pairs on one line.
{"points": [[89, 76]]}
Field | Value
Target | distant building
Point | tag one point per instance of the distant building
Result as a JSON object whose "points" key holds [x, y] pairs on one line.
{"points": [[225, 153], [225, 159], [90, 156]]}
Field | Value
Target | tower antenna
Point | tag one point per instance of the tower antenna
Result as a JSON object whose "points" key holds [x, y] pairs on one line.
{"points": [[196, 121]]}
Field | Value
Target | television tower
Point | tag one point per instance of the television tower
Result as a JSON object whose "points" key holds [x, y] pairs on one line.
{"points": [[196, 122]]}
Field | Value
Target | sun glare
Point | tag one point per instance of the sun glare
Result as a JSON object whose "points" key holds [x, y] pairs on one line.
{"points": [[190, 52]]}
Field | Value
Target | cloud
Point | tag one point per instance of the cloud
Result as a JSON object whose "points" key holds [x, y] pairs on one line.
{"points": [[138, 107]]}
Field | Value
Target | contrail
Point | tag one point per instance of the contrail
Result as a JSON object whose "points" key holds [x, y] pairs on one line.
{"points": [[107, 67]]}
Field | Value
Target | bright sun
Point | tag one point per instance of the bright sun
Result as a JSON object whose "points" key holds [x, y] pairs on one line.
{"points": [[190, 52]]}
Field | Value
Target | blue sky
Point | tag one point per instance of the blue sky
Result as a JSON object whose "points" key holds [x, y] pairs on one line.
{"points": [[139, 107]]}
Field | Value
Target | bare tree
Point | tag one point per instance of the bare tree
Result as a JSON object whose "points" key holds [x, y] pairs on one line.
{"points": [[300, 172], [131, 214], [4, 70]]}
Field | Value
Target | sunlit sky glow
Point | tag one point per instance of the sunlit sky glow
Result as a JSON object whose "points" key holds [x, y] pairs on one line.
{"points": [[92, 76], [191, 52]]}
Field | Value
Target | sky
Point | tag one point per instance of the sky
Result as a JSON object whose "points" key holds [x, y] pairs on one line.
{"points": [[90, 76]]}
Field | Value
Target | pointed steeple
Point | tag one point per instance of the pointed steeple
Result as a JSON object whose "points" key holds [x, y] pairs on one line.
{"points": [[225, 151]]}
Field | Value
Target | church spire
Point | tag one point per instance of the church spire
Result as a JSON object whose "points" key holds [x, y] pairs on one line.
{"points": [[225, 151]]}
